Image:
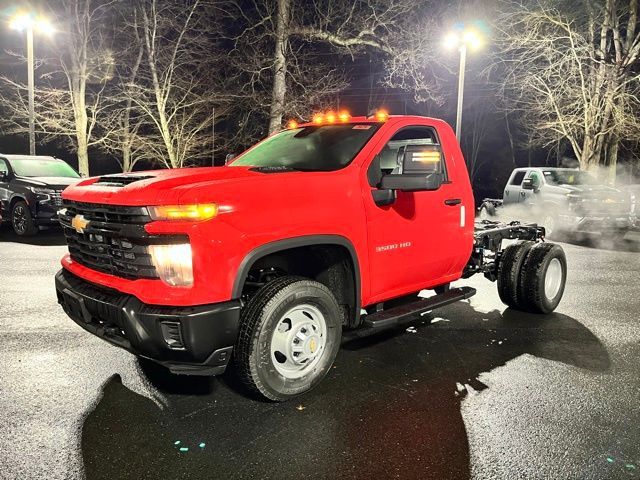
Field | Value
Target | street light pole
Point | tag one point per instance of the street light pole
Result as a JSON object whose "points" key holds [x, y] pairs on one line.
{"points": [[29, 22], [462, 39], [30, 67], [463, 61]]}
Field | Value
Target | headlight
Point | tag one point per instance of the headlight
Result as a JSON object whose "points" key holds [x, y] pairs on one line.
{"points": [[42, 193], [43, 190], [199, 212], [173, 263]]}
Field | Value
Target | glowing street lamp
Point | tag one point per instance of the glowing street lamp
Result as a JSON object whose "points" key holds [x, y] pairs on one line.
{"points": [[30, 22], [462, 39]]}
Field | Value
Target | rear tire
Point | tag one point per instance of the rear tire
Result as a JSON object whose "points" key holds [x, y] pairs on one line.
{"points": [[289, 337], [509, 272], [23, 224], [542, 278]]}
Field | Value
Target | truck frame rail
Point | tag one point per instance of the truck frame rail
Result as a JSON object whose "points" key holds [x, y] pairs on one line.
{"points": [[487, 245]]}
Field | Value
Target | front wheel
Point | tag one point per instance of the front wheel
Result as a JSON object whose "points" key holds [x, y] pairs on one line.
{"points": [[289, 337], [22, 221]]}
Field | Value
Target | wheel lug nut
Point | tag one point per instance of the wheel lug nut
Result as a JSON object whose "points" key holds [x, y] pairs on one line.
{"points": [[296, 340], [303, 330]]}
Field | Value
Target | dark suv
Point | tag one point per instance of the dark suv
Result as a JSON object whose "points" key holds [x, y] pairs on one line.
{"points": [[30, 188]]}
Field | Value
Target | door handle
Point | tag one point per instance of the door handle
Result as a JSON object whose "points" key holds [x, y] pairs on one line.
{"points": [[453, 201]]}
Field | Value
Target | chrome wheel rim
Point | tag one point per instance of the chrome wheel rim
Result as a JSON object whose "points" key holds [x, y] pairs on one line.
{"points": [[298, 341], [19, 219], [553, 279]]}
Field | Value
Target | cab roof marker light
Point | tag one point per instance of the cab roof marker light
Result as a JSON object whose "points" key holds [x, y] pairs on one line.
{"points": [[382, 115], [318, 118], [344, 116], [331, 117], [292, 124]]}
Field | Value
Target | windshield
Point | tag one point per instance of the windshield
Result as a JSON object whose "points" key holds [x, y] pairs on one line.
{"points": [[41, 167], [313, 148], [569, 177]]}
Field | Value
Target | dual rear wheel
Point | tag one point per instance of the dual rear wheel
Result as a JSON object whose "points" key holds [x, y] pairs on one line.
{"points": [[532, 276]]}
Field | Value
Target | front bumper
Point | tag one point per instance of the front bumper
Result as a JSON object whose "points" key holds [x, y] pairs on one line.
{"points": [[187, 340], [598, 223], [46, 214]]}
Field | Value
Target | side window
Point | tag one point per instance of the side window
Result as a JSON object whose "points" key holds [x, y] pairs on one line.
{"points": [[419, 142], [518, 177]]}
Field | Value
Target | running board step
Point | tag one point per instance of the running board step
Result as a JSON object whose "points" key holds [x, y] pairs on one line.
{"points": [[406, 314]]}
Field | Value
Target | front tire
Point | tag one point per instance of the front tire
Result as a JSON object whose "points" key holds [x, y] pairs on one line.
{"points": [[289, 337], [23, 224]]}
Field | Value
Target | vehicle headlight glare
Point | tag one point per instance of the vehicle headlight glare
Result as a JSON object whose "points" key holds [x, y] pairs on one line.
{"points": [[173, 263]]}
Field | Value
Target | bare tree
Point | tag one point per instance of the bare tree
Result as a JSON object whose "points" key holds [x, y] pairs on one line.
{"points": [[570, 69], [174, 89], [294, 41], [70, 97]]}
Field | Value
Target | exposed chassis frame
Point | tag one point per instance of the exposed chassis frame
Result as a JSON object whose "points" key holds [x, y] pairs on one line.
{"points": [[487, 244]]}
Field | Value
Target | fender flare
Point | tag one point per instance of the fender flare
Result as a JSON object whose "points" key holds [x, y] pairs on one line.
{"points": [[295, 242]]}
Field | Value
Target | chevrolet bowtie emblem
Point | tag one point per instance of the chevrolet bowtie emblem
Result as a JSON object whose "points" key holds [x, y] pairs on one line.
{"points": [[79, 223]]}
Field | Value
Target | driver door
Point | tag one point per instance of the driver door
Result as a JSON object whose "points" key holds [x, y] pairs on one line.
{"points": [[409, 233]]}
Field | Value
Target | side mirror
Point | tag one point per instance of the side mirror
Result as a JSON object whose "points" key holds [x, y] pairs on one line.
{"points": [[421, 170], [528, 184], [229, 157]]}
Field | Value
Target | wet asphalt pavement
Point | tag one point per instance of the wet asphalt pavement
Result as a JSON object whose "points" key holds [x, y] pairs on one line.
{"points": [[478, 391]]}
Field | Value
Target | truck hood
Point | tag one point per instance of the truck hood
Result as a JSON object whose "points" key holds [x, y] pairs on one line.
{"points": [[56, 183], [590, 189], [164, 187]]}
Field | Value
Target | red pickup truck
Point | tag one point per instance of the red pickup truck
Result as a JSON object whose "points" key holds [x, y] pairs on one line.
{"points": [[319, 233]]}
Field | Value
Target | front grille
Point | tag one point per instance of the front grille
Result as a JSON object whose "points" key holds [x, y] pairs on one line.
{"points": [[55, 198], [113, 241]]}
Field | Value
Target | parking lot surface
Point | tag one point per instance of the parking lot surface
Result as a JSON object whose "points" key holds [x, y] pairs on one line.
{"points": [[477, 391]]}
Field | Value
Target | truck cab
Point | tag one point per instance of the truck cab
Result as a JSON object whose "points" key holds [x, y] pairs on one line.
{"points": [[268, 259]]}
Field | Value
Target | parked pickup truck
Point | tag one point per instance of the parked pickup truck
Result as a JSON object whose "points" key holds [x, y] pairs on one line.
{"points": [[565, 200], [320, 233]]}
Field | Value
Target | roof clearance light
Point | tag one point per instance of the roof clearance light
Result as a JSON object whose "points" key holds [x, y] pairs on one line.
{"points": [[292, 124], [382, 115], [344, 116], [331, 117], [198, 212], [318, 118]]}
